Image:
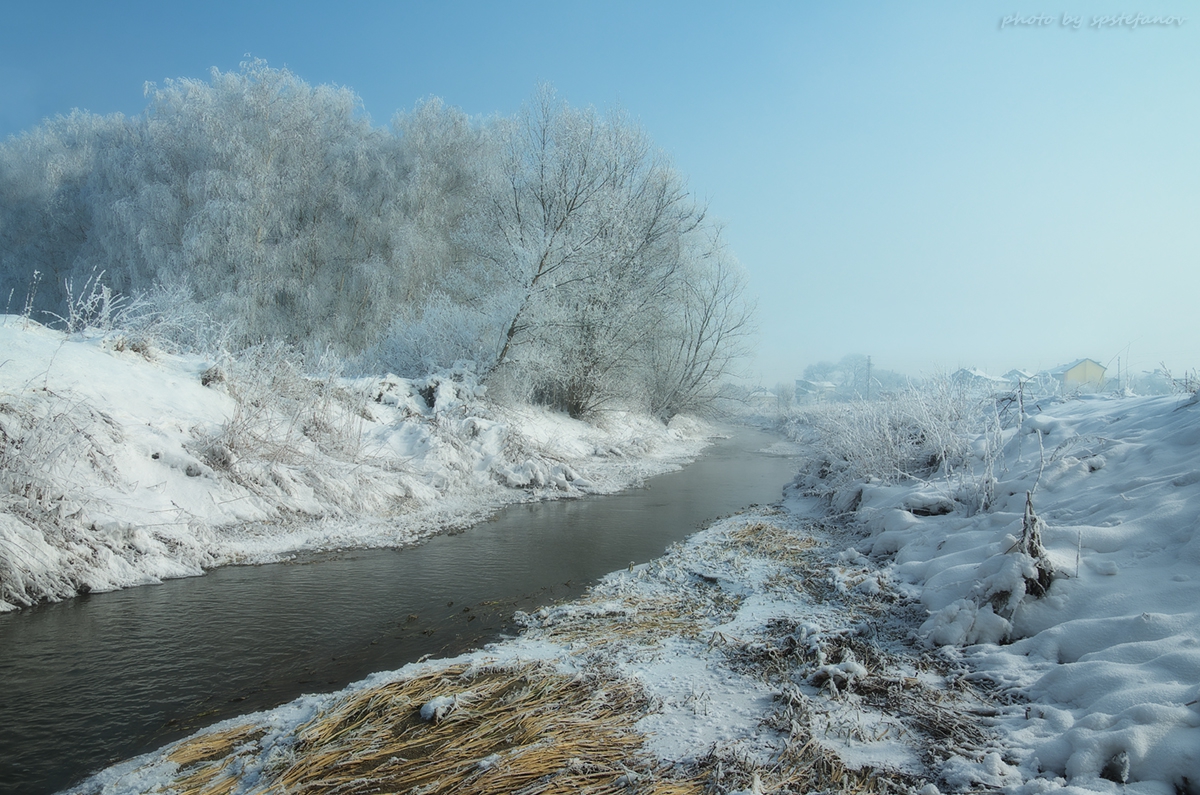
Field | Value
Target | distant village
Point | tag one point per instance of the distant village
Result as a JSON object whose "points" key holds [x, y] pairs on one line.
{"points": [[857, 378]]}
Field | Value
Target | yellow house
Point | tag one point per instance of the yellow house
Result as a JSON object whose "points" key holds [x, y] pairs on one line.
{"points": [[1081, 374]]}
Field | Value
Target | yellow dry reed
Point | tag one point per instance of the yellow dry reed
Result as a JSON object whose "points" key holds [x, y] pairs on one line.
{"points": [[213, 745], [520, 729], [208, 779], [646, 622], [771, 541], [205, 760], [523, 729]]}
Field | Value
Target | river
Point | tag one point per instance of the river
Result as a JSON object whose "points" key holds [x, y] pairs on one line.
{"points": [[104, 677]]}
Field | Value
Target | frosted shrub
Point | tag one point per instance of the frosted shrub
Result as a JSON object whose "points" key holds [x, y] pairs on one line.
{"points": [[166, 317], [93, 306], [444, 333], [163, 317], [282, 415], [917, 433]]}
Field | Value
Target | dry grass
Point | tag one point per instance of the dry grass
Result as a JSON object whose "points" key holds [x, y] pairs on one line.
{"points": [[804, 766], [804, 567], [214, 745], [768, 540], [643, 621], [523, 729], [205, 759], [210, 779]]}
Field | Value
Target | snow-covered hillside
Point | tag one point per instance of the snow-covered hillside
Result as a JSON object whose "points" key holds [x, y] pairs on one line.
{"points": [[121, 465]]}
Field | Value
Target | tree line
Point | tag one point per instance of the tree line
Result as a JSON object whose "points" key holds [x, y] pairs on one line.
{"points": [[557, 250]]}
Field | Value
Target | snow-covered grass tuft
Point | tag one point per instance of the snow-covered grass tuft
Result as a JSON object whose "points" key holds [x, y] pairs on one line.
{"points": [[298, 432], [49, 447], [163, 318]]}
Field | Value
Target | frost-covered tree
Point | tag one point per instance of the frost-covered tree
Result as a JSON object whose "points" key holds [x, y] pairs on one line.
{"points": [[275, 202], [584, 226], [703, 331], [286, 198], [559, 250], [48, 192]]}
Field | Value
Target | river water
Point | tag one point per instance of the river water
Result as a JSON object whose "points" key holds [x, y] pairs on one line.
{"points": [[100, 678]]}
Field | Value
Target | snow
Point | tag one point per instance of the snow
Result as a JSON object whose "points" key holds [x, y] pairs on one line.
{"points": [[124, 470], [438, 708], [847, 621], [1105, 666]]}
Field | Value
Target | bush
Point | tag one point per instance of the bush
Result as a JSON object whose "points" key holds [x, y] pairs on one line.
{"points": [[917, 433]]}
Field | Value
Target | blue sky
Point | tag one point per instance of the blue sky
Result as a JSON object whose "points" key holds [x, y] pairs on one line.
{"points": [[914, 181]]}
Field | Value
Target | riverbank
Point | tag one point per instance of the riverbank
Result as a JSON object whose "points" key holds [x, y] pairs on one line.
{"points": [[121, 465], [748, 658], [160, 663], [886, 636]]}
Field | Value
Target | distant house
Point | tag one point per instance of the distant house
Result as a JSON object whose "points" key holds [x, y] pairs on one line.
{"points": [[977, 379], [1085, 374], [813, 390], [761, 398], [1039, 384]]}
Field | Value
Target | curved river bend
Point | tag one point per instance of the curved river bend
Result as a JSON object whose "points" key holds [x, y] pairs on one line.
{"points": [[104, 677]]}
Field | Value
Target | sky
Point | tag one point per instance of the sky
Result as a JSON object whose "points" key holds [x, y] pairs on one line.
{"points": [[934, 184]]}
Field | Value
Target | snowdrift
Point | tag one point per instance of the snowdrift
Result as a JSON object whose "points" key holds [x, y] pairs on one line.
{"points": [[1102, 668], [122, 467]]}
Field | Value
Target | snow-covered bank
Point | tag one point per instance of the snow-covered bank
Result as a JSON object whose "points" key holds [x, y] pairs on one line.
{"points": [[1057, 555], [759, 662], [877, 635], [1103, 669], [123, 466]]}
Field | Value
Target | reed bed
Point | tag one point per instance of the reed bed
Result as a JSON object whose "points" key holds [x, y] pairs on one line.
{"points": [[525, 730]]}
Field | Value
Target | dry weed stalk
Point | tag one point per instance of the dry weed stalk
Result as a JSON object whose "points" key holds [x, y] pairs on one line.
{"points": [[524, 729], [214, 745]]}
